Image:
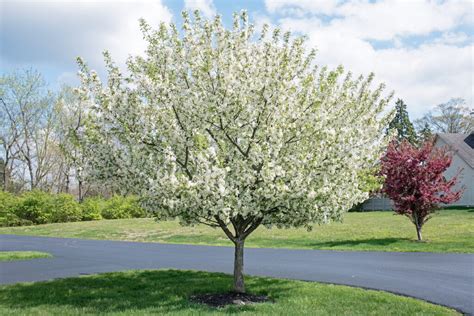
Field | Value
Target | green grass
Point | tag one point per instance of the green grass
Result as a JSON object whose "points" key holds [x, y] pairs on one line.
{"points": [[22, 255], [167, 291], [448, 231]]}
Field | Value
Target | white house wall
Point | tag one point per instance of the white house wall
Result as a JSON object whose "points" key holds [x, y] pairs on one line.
{"points": [[465, 179]]}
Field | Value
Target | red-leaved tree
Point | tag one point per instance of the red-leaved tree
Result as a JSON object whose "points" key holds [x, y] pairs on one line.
{"points": [[414, 180]]}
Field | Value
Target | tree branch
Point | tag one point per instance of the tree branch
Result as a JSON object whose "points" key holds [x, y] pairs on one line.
{"points": [[225, 229], [252, 227]]}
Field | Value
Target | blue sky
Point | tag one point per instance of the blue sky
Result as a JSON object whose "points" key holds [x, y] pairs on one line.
{"points": [[423, 50]]}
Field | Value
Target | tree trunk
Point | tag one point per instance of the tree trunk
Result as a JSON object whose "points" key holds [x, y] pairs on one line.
{"points": [[32, 177], [418, 233], [66, 189], [5, 171], [80, 191], [5, 178], [418, 224], [239, 285]]}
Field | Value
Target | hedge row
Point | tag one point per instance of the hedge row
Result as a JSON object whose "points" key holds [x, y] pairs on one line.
{"points": [[36, 207]]}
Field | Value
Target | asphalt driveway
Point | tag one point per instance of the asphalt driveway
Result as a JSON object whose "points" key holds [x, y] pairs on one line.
{"points": [[446, 279]]}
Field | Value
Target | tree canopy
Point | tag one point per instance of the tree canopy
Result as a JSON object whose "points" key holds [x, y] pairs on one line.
{"points": [[415, 182], [234, 129]]}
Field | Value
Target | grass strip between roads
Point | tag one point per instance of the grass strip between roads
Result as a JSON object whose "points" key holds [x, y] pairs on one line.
{"points": [[22, 255], [447, 231]]}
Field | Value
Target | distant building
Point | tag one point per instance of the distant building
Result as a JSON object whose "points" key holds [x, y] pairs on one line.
{"points": [[461, 147]]}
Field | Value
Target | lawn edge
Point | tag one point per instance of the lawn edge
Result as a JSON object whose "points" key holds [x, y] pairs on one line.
{"points": [[246, 275]]}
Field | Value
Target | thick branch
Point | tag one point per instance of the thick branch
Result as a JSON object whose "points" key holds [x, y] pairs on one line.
{"points": [[213, 137], [184, 164], [252, 228], [225, 229], [230, 138]]}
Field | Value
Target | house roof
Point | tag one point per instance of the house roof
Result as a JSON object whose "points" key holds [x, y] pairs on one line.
{"points": [[459, 144]]}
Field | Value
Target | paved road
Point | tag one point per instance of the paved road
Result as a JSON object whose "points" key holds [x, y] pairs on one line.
{"points": [[446, 279]]}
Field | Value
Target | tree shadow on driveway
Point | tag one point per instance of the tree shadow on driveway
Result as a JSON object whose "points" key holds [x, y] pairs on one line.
{"points": [[360, 242]]}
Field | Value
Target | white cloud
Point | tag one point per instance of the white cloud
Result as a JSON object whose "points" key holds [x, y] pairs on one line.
{"points": [[308, 6], [55, 32], [260, 20], [453, 38], [205, 6], [381, 20], [386, 19], [437, 67]]}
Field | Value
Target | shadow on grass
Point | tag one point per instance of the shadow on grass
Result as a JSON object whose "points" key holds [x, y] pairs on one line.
{"points": [[359, 242], [161, 291]]}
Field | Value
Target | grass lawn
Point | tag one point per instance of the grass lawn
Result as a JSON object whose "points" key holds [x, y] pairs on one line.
{"points": [[447, 231], [22, 255], [167, 292]]}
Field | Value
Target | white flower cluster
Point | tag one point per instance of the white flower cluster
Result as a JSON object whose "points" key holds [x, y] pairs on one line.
{"points": [[227, 126]]}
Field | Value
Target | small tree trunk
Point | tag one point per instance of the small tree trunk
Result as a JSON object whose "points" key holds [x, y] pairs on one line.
{"points": [[66, 189], [80, 191], [418, 233], [239, 285], [5, 178], [418, 223]]}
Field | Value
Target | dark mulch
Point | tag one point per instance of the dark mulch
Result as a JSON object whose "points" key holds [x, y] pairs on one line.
{"points": [[230, 298]]}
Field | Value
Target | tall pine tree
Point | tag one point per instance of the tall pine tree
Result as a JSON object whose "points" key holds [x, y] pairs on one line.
{"points": [[401, 122], [425, 133]]}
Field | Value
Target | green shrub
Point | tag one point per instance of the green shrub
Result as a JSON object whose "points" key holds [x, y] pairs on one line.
{"points": [[122, 207], [92, 208], [135, 210], [42, 208], [35, 206], [8, 207], [7, 203], [65, 208]]}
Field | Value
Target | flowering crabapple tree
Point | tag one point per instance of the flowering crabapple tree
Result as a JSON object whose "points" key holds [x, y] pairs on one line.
{"points": [[414, 180], [234, 129]]}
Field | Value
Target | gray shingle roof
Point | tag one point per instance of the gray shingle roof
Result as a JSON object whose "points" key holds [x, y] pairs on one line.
{"points": [[457, 144]]}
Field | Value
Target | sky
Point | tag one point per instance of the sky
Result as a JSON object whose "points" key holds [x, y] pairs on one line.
{"points": [[422, 50]]}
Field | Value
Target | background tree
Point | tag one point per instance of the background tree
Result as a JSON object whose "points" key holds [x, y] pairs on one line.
{"points": [[34, 126], [233, 130], [9, 140], [450, 117], [414, 180], [70, 126], [402, 124], [28, 108]]}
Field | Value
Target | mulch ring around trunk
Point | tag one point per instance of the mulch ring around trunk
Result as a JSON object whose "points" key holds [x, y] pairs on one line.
{"points": [[230, 298]]}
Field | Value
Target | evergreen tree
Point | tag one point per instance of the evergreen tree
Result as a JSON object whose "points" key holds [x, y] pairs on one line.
{"points": [[401, 122], [425, 133]]}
